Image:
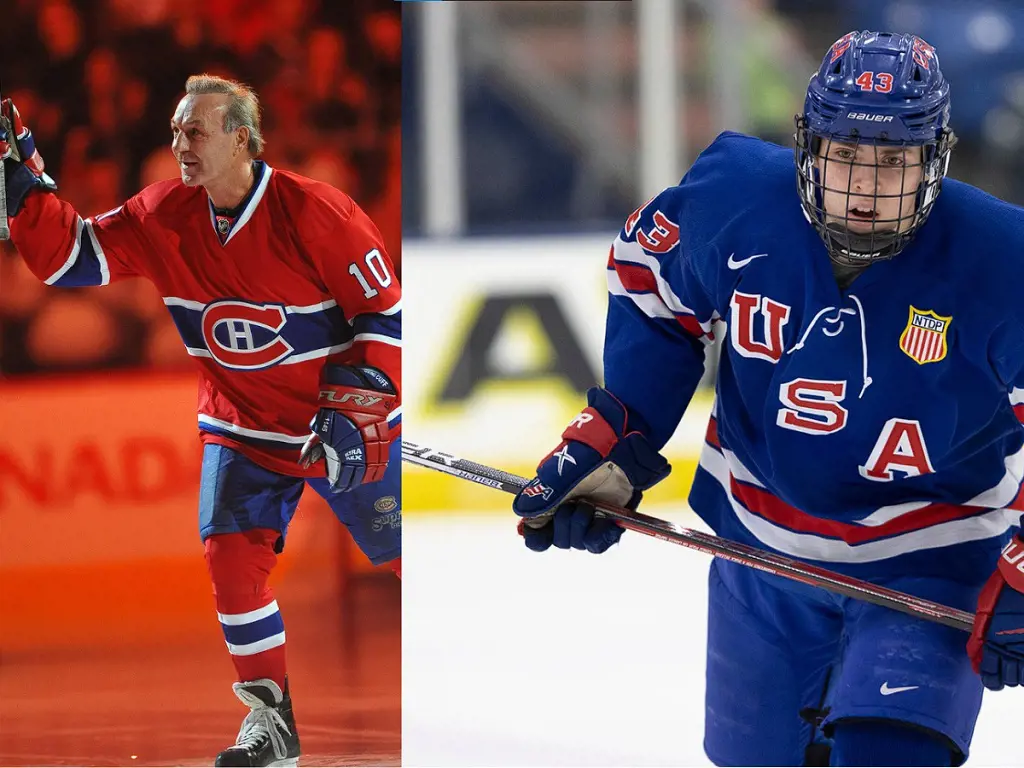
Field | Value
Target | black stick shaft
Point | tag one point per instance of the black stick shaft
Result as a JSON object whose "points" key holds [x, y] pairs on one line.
{"points": [[770, 562], [5, 232]]}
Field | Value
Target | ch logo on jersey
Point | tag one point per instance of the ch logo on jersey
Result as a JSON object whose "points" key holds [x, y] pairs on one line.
{"points": [[924, 338], [245, 336]]}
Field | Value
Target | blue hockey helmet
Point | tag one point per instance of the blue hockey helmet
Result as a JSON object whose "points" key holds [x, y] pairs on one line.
{"points": [[876, 97]]}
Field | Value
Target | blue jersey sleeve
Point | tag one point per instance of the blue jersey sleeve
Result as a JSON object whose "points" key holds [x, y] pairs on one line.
{"points": [[660, 319]]}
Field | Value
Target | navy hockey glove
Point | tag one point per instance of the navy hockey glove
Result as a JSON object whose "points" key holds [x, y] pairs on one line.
{"points": [[23, 165], [350, 429], [996, 646], [599, 459]]}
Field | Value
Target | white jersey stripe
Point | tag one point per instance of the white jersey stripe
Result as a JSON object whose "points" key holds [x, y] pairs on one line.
{"points": [[999, 495], [653, 305], [394, 309], [176, 301], [72, 257], [310, 308], [315, 354], [237, 619], [649, 303], [739, 471], [256, 433], [814, 547], [633, 253]]}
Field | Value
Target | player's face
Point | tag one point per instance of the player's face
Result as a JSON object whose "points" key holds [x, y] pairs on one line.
{"points": [[203, 149], [870, 188]]}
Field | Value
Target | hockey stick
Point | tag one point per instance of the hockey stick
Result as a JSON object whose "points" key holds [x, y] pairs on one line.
{"points": [[707, 543], [5, 232]]}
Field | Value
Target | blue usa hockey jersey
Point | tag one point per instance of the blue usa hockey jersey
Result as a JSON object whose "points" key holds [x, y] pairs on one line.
{"points": [[877, 428]]}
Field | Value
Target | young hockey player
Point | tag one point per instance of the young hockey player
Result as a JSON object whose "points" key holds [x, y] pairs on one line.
{"points": [[867, 416], [282, 292]]}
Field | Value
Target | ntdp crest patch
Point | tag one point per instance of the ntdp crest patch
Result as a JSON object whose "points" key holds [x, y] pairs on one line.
{"points": [[924, 338]]}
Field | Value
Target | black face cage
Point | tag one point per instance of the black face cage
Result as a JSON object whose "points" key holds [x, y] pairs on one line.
{"points": [[884, 229]]}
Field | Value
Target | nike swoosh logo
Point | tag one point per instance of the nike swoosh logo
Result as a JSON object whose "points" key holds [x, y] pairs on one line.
{"points": [[885, 690], [734, 264]]}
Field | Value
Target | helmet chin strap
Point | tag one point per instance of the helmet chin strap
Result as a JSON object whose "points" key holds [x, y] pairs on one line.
{"points": [[855, 249]]}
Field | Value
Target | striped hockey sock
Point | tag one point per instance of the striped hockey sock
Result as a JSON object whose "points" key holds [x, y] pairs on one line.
{"points": [[239, 565], [255, 640]]}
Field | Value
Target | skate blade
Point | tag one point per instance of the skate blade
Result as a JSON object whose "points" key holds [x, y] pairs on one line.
{"points": [[288, 762]]}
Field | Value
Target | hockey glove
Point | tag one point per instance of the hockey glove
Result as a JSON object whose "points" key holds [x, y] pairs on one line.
{"points": [[22, 162], [600, 460], [996, 646], [350, 429]]}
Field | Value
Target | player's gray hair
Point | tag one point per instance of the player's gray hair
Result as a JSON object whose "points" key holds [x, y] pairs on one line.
{"points": [[243, 108]]}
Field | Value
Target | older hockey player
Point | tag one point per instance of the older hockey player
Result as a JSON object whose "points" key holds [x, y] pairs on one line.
{"points": [[282, 292], [865, 415]]}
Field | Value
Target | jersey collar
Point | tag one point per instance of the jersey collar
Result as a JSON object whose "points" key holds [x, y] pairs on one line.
{"points": [[261, 172]]}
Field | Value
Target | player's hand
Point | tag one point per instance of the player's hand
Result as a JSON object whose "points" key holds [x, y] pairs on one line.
{"points": [[574, 525], [600, 460], [350, 429], [996, 646], [22, 161]]}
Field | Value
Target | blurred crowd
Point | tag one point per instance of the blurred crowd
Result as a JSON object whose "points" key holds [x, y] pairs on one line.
{"points": [[97, 81], [550, 107]]}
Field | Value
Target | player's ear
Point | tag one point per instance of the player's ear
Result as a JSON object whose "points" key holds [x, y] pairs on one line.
{"points": [[242, 139]]}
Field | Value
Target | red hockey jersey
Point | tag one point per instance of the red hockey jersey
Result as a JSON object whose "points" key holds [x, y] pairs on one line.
{"points": [[300, 279]]}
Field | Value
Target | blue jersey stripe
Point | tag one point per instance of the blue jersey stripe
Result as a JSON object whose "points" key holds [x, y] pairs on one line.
{"points": [[303, 331], [243, 634], [385, 325], [87, 268]]}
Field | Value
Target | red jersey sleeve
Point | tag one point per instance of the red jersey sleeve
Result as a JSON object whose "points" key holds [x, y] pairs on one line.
{"points": [[63, 249], [354, 265]]}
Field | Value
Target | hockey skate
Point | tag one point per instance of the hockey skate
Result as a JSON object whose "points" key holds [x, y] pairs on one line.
{"points": [[267, 736]]}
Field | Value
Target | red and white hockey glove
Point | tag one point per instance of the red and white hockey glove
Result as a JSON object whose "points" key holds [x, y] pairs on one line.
{"points": [[350, 429], [996, 646], [24, 166], [599, 459]]}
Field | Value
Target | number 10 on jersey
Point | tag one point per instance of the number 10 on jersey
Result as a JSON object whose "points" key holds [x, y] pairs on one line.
{"points": [[377, 268]]}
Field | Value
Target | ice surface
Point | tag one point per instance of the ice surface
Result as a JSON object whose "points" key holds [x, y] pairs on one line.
{"points": [[566, 658]]}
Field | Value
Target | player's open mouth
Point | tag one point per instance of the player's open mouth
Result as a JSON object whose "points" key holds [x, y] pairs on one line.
{"points": [[863, 214], [189, 165]]}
